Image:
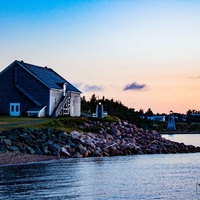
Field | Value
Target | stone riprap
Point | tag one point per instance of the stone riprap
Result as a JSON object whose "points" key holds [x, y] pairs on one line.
{"points": [[96, 139]]}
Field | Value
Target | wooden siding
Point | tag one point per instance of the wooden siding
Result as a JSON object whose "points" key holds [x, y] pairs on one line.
{"points": [[55, 97], [75, 104], [10, 94]]}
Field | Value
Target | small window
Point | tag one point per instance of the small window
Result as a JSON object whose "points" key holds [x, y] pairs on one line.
{"points": [[17, 108]]}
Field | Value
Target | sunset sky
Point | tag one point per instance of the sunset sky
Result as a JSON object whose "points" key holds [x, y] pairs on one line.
{"points": [[145, 54]]}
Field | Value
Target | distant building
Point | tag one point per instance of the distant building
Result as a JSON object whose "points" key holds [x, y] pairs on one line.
{"points": [[157, 118], [194, 118], [171, 123], [31, 90]]}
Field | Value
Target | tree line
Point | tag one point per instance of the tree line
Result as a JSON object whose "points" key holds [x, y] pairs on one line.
{"points": [[115, 108]]}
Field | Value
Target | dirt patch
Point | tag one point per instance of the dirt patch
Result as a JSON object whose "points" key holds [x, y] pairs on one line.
{"points": [[17, 158]]}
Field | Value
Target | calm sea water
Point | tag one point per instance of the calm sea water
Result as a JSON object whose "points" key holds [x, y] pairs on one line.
{"points": [[193, 139], [162, 176]]}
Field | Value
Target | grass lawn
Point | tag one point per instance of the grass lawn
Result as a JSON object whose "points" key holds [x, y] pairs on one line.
{"points": [[63, 123], [7, 122]]}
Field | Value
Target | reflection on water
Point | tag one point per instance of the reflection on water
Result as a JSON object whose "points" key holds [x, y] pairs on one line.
{"points": [[171, 176], [44, 180]]}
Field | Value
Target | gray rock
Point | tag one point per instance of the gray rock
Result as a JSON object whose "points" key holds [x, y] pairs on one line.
{"points": [[38, 150], [64, 152], [51, 137], [56, 146], [49, 143], [76, 134], [45, 150], [43, 136], [116, 132], [30, 150], [71, 150], [83, 151], [62, 135], [98, 152], [13, 148], [7, 142], [25, 136], [77, 155]]}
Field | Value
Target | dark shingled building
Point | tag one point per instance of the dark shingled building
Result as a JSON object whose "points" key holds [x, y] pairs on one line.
{"points": [[31, 90]]}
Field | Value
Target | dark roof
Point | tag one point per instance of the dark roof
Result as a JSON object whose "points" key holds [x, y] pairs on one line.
{"points": [[47, 76]]}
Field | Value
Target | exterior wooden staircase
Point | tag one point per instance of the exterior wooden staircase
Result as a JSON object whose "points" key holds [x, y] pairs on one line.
{"points": [[63, 107]]}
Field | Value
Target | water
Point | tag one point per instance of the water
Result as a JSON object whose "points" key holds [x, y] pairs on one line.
{"points": [[188, 139], [162, 176]]}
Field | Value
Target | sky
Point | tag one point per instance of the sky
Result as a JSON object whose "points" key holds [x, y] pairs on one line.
{"points": [[143, 53]]}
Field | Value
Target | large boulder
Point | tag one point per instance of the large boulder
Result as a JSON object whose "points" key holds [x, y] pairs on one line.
{"points": [[116, 132], [13, 148], [7, 142], [64, 152]]}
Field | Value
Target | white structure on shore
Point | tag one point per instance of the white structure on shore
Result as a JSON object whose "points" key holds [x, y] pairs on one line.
{"points": [[171, 124]]}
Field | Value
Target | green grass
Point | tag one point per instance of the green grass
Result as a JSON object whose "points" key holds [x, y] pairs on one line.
{"points": [[108, 118], [65, 123], [7, 122], [10, 120], [62, 123]]}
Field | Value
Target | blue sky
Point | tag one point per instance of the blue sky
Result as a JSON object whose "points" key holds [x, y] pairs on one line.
{"points": [[143, 53]]}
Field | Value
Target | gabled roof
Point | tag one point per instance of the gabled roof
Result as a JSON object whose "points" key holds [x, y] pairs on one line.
{"points": [[47, 76]]}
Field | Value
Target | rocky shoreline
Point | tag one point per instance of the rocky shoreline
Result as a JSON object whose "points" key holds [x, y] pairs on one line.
{"points": [[96, 139]]}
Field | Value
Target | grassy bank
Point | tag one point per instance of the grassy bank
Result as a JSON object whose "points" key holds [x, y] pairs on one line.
{"points": [[63, 123]]}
